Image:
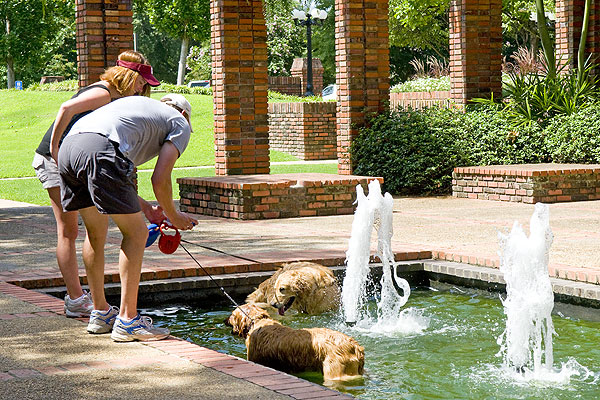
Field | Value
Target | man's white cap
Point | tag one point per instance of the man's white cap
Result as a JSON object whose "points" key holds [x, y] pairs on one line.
{"points": [[180, 102]]}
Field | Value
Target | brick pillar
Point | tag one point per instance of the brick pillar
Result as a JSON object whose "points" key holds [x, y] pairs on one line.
{"points": [[569, 20], [104, 30], [240, 82], [299, 67], [475, 49], [362, 68]]}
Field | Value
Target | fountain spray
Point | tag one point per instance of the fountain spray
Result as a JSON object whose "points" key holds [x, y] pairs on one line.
{"points": [[526, 344], [372, 211]]}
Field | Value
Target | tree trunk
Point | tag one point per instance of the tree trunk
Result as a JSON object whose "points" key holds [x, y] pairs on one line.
{"points": [[185, 44], [10, 71]]}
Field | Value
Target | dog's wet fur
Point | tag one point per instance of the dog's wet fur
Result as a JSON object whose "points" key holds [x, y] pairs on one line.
{"points": [[302, 286], [338, 356]]}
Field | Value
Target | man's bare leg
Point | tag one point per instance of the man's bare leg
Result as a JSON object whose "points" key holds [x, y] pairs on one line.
{"points": [[96, 225], [134, 231]]}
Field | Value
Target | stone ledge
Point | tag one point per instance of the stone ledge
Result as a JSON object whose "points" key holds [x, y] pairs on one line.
{"points": [[418, 272], [528, 183], [252, 197]]}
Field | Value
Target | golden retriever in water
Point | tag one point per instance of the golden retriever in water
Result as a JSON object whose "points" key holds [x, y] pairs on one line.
{"points": [[338, 356], [302, 286]]}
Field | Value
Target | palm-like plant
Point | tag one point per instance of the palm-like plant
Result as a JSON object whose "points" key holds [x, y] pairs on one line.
{"points": [[536, 94], [537, 97]]}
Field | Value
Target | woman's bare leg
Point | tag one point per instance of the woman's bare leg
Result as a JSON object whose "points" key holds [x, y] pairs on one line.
{"points": [[66, 254]]}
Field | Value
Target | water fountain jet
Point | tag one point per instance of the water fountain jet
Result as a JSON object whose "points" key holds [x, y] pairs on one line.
{"points": [[372, 211], [526, 343]]}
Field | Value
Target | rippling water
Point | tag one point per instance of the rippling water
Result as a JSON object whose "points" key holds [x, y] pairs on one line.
{"points": [[443, 347]]}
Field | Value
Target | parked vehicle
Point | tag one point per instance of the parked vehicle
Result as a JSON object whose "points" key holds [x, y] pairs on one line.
{"points": [[330, 92], [192, 84]]}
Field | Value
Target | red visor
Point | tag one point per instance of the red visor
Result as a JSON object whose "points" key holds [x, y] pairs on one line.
{"points": [[144, 70]]}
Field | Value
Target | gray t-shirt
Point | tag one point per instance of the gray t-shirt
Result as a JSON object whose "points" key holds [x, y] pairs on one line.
{"points": [[140, 125]]}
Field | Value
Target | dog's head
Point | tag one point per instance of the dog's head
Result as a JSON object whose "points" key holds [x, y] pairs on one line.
{"points": [[243, 317], [288, 286], [299, 284]]}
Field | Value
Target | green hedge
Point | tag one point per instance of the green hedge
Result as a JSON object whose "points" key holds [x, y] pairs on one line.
{"points": [[416, 151], [575, 138]]}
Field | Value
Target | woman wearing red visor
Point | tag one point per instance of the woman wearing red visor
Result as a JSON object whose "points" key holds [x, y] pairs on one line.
{"points": [[131, 76]]}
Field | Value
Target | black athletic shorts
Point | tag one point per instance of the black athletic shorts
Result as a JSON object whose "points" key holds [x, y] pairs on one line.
{"points": [[94, 172]]}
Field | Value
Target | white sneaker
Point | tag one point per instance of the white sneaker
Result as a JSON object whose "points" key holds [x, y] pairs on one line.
{"points": [[81, 307], [102, 321], [139, 328]]}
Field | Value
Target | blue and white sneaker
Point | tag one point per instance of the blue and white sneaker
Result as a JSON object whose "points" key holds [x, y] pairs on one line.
{"points": [[140, 328], [102, 321]]}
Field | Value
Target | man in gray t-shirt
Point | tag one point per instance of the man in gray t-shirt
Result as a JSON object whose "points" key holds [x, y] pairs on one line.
{"points": [[139, 125], [96, 162]]}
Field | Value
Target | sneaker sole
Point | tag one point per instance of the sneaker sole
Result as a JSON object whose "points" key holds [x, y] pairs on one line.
{"points": [[71, 314], [98, 330], [117, 337]]}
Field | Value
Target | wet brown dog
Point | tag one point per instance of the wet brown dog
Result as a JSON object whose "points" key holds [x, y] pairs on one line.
{"points": [[338, 356], [302, 286]]}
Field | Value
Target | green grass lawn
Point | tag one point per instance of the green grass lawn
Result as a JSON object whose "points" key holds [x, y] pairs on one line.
{"points": [[26, 115]]}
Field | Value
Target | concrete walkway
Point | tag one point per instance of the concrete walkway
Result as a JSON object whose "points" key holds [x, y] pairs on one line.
{"points": [[45, 355]]}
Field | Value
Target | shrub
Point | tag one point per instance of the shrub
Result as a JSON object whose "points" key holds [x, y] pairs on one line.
{"points": [[70, 85], [423, 85], [492, 140], [171, 88], [276, 97], [575, 138], [415, 152]]}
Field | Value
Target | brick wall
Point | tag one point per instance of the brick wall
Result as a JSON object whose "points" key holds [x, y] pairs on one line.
{"points": [[416, 100], [528, 183], [475, 49], [362, 68], [240, 83], [569, 18], [305, 130], [291, 85], [299, 71], [104, 30], [270, 196]]}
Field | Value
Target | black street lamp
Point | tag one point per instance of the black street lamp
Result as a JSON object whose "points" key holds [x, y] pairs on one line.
{"points": [[314, 17]]}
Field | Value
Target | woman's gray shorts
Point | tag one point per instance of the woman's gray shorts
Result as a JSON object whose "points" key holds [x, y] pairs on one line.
{"points": [[46, 171], [95, 173]]}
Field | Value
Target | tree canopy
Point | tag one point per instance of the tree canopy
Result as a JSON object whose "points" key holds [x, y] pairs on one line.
{"points": [[180, 19], [37, 37]]}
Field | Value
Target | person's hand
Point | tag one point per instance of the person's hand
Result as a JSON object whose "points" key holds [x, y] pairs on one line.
{"points": [[183, 221], [155, 214]]}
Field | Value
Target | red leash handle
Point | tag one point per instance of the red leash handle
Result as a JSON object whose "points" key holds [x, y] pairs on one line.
{"points": [[168, 243]]}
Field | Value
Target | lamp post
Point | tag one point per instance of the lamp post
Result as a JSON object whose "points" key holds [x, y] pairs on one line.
{"points": [[314, 17]]}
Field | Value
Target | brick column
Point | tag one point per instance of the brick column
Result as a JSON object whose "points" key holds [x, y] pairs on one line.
{"points": [[569, 20], [362, 68], [298, 70], [239, 61], [104, 30], [475, 49]]}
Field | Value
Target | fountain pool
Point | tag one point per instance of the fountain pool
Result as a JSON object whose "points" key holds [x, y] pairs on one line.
{"points": [[445, 347]]}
